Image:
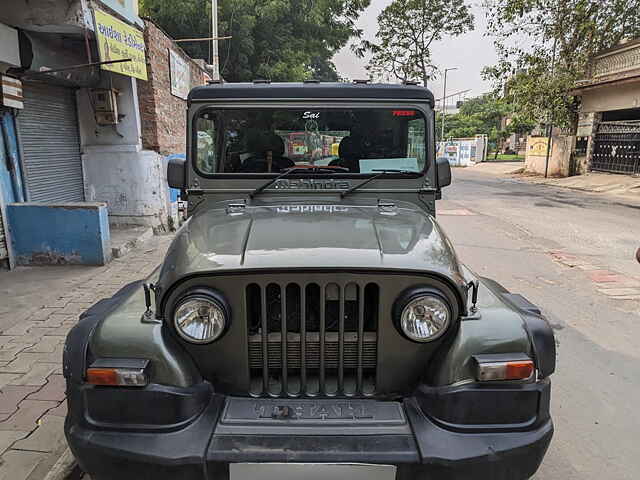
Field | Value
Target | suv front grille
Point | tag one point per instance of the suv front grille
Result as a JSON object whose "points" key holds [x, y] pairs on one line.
{"points": [[312, 339]]}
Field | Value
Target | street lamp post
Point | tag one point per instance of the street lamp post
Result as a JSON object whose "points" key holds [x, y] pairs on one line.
{"points": [[444, 100]]}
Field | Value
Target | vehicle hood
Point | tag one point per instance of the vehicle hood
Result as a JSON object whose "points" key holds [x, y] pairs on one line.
{"points": [[304, 236]]}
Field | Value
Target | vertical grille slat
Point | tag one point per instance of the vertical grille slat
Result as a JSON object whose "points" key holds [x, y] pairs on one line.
{"points": [[265, 342], [303, 340], [283, 340], [360, 340], [341, 297], [312, 339], [322, 386]]}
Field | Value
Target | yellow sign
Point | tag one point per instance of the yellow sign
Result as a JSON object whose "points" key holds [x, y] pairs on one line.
{"points": [[117, 41], [537, 146]]}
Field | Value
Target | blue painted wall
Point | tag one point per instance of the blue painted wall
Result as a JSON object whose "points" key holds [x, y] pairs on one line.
{"points": [[73, 233]]}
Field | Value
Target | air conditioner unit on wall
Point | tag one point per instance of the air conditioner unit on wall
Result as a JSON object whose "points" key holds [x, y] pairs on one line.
{"points": [[105, 105]]}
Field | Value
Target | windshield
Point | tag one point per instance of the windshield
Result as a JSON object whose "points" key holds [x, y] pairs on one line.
{"points": [[272, 140]]}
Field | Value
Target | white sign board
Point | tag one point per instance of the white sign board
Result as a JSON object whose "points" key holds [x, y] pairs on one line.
{"points": [[9, 49], [11, 92], [180, 75]]}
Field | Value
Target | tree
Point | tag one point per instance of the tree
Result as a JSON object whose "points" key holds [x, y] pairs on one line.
{"points": [[544, 47], [406, 31], [478, 116], [280, 40]]}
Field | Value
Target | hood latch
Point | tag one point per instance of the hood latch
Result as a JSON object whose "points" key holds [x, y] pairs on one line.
{"points": [[387, 208], [236, 208]]}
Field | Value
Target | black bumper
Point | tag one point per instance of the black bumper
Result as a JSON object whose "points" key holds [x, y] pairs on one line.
{"points": [[194, 448]]}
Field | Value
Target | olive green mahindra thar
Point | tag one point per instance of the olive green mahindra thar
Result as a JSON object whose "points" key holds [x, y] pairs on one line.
{"points": [[311, 319]]}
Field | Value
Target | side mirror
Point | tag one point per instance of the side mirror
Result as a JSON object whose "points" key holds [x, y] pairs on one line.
{"points": [[176, 173], [443, 172]]}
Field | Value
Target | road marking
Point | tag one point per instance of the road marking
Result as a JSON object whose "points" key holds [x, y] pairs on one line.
{"points": [[614, 285], [605, 276], [619, 292]]}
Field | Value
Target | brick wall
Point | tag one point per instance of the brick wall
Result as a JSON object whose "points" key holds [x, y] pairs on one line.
{"points": [[163, 115]]}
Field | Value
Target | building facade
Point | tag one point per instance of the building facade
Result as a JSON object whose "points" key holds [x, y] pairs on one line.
{"points": [[101, 105], [608, 135]]}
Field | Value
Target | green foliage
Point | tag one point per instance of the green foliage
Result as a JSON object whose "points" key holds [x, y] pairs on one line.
{"points": [[520, 124], [477, 116], [535, 80], [406, 30], [281, 40]]}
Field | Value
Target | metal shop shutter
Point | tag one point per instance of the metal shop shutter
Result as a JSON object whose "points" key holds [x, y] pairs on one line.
{"points": [[48, 128]]}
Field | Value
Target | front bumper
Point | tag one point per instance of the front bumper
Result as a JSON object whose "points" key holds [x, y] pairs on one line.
{"points": [[198, 446]]}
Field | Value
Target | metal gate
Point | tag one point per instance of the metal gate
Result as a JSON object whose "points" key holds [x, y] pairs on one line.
{"points": [[617, 147], [48, 128]]}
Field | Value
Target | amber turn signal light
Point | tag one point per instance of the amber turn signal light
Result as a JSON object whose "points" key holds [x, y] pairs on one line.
{"points": [[118, 373], [519, 370], [102, 376], [502, 367]]}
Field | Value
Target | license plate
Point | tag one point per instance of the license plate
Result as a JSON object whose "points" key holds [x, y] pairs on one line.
{"points": [[311, 471], [312, 412]]}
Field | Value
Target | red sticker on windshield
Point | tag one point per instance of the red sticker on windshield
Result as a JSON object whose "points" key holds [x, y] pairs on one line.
{"points": [[404, 113]]}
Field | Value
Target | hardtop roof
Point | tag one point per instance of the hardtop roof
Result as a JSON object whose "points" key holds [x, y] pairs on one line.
{"points": [[298, 90]]}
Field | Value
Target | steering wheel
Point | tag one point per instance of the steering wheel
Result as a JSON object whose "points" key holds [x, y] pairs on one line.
{"points": [[259, 164]]}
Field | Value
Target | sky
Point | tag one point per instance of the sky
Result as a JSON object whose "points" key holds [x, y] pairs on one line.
{"points": [[469, 52]]}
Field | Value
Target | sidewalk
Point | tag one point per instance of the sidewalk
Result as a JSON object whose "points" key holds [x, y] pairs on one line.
{"points": [[32, 388], [623, 186]]}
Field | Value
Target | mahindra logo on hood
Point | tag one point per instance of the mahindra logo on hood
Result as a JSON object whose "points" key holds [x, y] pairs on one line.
{"points": [[312, 184], [312, 209]]}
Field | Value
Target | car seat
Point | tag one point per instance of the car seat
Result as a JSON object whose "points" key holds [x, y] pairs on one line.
{"points": [[257, 163]]}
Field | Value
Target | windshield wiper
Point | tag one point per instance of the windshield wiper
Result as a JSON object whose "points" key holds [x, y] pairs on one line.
{"points": [[381, 172], [288, 171]]}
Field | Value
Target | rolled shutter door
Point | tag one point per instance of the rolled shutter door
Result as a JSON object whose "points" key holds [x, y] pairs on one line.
{"points": [[50, 141]]}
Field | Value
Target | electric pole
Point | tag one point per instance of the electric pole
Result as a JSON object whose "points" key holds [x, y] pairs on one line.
{"points": [[215, 60], [444, 100]]}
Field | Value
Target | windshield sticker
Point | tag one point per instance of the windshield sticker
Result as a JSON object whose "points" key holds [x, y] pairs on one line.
{"points": [[404, 113], [370, 165], [311, 115]]}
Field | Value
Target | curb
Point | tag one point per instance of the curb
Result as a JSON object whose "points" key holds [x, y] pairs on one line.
{"points": [[64, 467], [122, 250]]}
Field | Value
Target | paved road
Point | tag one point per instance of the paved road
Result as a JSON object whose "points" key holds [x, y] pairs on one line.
{"points": [[551, 245]]}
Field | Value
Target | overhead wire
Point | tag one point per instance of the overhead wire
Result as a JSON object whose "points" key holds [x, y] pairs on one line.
{"points": [[226, 60]]}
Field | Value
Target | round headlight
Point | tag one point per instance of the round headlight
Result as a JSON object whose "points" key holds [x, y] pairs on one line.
{"points": [[425, 318], [200, 319]]}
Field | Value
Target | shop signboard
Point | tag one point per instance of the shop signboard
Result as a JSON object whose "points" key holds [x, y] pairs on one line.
{"points": [[180, 75], [117, 41]]}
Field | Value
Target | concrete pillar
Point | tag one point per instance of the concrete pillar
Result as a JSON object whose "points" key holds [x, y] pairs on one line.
{"points": [[117, 171]]}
